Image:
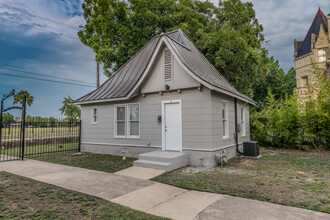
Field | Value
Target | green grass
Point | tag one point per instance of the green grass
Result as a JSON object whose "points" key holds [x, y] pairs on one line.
{"points": [[46, 149], [101, 162], [294, 178], [23, 198]]}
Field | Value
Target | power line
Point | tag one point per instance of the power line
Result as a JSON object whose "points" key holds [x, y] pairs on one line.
{"points": [[48, 61], [46, 80], [42, 29], [41, 17], [39, 74]]}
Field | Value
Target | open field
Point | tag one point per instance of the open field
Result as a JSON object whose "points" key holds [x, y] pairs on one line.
{"points": [[294, 178], [14, 133], [23, 198], [101, 162]]}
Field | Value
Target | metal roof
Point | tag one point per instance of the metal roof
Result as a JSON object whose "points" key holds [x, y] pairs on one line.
{"points": [[304, 47], [121, 83]]}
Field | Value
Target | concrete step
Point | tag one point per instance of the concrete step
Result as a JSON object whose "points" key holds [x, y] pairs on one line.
{"points": [[163, 160], [152, 164], [164, 156]]}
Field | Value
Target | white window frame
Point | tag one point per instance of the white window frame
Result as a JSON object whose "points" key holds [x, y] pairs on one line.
{"points": [[94, 122], [127, 121], [116, 121], [243, 121], [226, 129]]}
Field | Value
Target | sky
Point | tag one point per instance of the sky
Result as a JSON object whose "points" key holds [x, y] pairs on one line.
{"points": [[30, 43]]}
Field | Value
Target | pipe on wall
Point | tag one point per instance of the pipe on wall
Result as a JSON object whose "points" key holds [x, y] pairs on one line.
{"points": [[236, 127]]}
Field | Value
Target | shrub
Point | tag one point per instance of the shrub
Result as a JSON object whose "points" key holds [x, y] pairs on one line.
{"points": [[296, 123]]}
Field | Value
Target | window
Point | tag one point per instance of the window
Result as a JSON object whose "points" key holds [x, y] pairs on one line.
{"points": [[134, 122], [121, 121], [243, 121], [94, 115], [224, 108], [167, 65], [305, 81], [127, 120], [322, 55]]}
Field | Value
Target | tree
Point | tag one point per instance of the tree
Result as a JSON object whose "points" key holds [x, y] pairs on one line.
{"points": [[275, 80], [7, 118], [69, 109], [229, 35], [18, 98]]}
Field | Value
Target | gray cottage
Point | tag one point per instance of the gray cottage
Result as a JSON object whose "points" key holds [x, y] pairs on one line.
{"points": [[168, 106]]}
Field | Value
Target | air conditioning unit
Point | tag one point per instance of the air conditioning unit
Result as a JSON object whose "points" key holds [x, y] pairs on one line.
{"points": [[251, 149]]}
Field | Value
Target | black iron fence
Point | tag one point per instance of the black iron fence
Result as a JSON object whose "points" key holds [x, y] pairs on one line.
{"points": [[38, 137]]}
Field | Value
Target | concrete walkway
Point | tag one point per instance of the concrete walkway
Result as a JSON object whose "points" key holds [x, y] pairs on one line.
{"points": [[132, 188]]}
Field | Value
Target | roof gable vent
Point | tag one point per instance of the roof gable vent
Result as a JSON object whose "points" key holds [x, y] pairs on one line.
{"points": [[167, 65]]}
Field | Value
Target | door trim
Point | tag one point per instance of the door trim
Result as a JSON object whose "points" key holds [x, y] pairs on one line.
{"points": [[163, 122]]}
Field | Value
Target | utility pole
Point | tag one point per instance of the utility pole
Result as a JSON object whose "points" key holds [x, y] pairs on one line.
{"points": [[97, 74]]}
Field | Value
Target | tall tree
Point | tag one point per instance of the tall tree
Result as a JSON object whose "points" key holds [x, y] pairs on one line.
{"points": [[69, 109], [275, 80], [229, 34], [18, 98]]}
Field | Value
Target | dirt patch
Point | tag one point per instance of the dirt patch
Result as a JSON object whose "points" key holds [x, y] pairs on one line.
{"points": [[235, 171], [192, 170]]}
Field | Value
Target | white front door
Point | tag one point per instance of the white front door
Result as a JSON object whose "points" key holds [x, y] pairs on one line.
{"points": [[172, 129]]}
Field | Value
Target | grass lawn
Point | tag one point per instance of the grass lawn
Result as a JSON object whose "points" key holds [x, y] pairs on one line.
{"points": [[294, 178], [101, 162], [21, 197]]}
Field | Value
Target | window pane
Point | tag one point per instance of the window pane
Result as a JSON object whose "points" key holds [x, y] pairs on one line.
{"points": [[242, 114], [94, 118], [121, 113], [134, 112], [95, 111], [121, 128], [134, 128], [224, 127], [224, 110]]}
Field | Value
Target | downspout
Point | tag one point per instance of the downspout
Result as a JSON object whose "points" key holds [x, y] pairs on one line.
{"points": [[236, 128]]}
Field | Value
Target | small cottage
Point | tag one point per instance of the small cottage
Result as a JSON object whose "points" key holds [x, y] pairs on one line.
{"points": [[168, 106]]}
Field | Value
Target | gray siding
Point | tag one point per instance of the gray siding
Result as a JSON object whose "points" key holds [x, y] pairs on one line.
{"points": [[196, 120], [218, 139]]}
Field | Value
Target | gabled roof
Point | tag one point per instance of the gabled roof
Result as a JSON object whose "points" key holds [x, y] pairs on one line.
{"points": [[123, 83], [320, 20]]}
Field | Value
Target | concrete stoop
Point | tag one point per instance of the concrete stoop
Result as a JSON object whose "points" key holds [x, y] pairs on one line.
{"points": [[162, 160]]}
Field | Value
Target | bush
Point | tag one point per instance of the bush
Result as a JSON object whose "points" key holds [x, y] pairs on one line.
{"points": [[294, 123]]}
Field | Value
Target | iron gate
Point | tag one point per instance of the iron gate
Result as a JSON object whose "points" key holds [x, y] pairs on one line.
{"points": [[8, 150], [30, 137]]}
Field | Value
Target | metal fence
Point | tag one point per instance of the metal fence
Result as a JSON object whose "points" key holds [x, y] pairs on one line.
{"points": [[38, 137]]}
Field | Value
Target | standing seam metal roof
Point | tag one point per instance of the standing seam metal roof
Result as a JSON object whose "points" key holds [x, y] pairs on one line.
{"points": [[121, 83]]}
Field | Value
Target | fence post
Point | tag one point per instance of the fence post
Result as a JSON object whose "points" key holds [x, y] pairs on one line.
{"points": [[23, 125], [79, 147], [1, 124]]}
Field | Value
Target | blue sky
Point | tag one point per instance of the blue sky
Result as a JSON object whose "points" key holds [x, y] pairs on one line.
{"points": [[26, 47]]}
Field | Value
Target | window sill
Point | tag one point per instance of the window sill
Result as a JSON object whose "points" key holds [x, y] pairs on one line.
{"points": [[123, 137]]}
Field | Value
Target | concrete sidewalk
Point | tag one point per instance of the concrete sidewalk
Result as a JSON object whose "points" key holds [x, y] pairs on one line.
{"points": [[132, 188]]}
